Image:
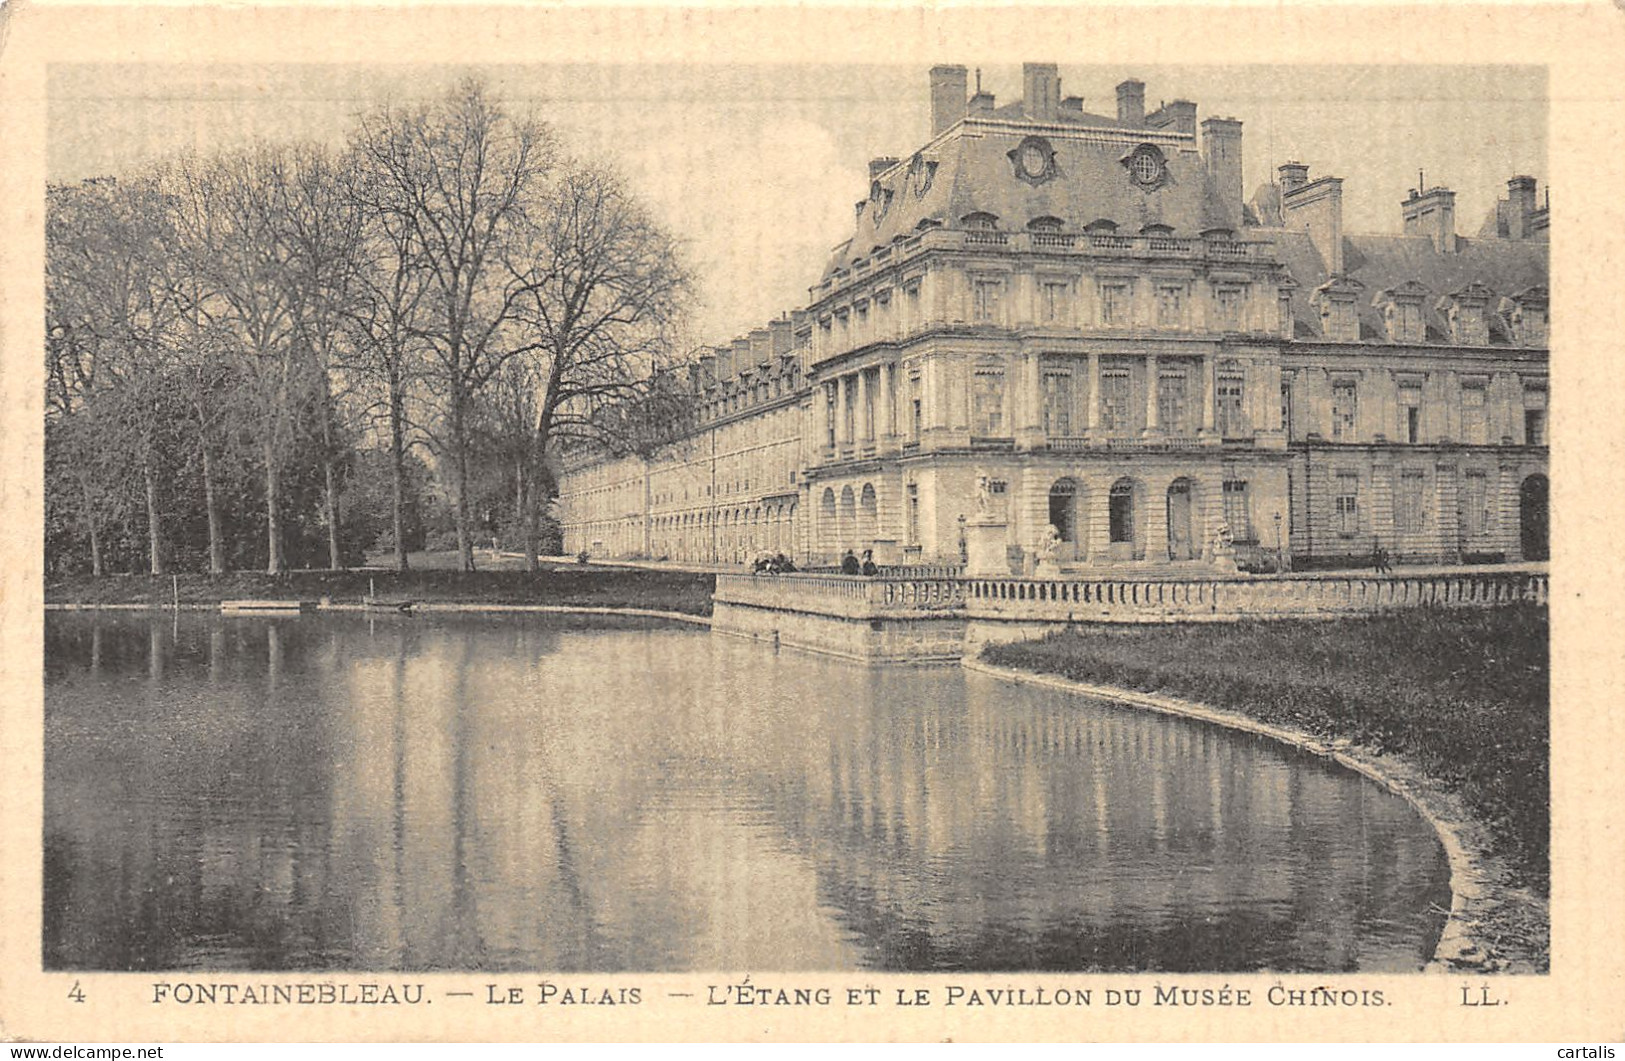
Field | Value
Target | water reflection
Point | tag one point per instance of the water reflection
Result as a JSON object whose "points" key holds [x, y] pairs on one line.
{"points": [[512, 794]]}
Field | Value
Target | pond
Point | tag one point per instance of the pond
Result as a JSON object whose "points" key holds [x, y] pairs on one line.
{"points": [[532, 793]]}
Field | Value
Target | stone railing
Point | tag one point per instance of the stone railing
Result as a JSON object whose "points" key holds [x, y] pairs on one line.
{"points": [[1126, 600], [1173, 600], [1087, 243]]}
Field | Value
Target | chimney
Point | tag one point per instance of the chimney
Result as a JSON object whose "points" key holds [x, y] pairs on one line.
{"points": [[1317, 208], [741, 359], [1041, 91], [1180, 115], [981, 103], [949, 85], [1071, 105], [877, 166], [724, 365], [1432, 213], [761, 346], [1131, 103], [1520, 207], [784, 338], [1294, 175], [1221, 153]]}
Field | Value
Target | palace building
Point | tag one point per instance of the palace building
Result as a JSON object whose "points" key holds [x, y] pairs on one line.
{"points": [[1052, 318]]}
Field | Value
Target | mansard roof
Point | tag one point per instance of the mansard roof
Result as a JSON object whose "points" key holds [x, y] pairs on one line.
{"points": [[973, 170], [1391, 262]]}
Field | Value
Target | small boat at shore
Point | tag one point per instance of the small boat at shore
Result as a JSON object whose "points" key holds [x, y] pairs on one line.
{"points": [[261, 607]]}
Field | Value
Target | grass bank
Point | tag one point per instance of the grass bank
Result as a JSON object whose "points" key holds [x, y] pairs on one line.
{"points": [[1461, 695], [558, 584]]}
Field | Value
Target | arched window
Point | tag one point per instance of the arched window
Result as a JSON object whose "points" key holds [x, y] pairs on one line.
{"points": [[1101, 226], [980, 221], [1045, 224]]}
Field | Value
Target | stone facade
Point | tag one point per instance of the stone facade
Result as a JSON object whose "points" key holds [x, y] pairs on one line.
{"points": [[1050, 318]]}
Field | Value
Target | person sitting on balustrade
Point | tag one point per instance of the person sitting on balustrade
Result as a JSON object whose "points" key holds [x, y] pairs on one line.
{"points": [[850, 565], [869, 567]]}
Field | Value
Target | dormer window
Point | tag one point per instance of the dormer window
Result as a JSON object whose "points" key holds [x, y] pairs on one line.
{"points": [[1464, 309], [1402, 312], [1101, 226], [1045, 224], [1525, 316], [1339, 316], [980, 222], [1157, 229]]}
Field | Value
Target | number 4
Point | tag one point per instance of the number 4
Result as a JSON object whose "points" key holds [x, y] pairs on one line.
{"points": [[76, 993]]}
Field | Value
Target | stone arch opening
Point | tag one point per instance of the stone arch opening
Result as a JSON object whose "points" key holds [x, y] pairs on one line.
{"points": [[1066, 516], [1183, 543], [848, 519], [1125, 531], [868, 516]]}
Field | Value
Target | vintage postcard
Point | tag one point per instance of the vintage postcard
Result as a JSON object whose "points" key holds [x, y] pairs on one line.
{"points": [[914, 523]]}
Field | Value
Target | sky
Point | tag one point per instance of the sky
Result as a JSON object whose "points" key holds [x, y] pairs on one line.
{"points": [[756, 167]]}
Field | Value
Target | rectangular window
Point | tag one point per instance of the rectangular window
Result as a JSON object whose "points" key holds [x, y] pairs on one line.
{"points": [[1473, 427], [1232, 423], [1534, 427], [1058, 403], [913, 514], [1475, 510], [916, 408], [1410, 412], [1000, 492], [985, 300], [1348, 504], [1534, 416], [1053, 300], [1345, 409], [1114, 400], [987, 403], [1286, 405], [1114, 305], [1171, 403], [1409, 511], [1227, 308], [1238, 510], [1171, 306]]}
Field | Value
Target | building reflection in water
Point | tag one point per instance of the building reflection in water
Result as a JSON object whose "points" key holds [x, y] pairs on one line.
{"points": [[511, 794]]}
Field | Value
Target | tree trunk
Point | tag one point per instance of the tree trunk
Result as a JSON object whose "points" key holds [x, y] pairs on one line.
{"points": [[397, 471], [274, 563], [211, 505], [94, 528], [465, 543], [330, 486], [335, 556], [155, 531]]}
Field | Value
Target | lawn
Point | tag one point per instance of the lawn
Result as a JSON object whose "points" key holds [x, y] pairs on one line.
{"points": [[1462, 694]]}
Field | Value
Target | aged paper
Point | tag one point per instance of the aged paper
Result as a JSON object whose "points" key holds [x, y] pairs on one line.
{"points": [[1573, 51]]}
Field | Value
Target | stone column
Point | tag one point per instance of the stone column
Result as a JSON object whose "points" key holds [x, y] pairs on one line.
{"points": [[864, 417], [1091, 387], [1151, 425], [842, 428], [1210, 393]]}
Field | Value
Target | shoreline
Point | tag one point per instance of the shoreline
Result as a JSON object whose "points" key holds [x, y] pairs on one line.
{"points": [[1480, 894], [452, 607]]}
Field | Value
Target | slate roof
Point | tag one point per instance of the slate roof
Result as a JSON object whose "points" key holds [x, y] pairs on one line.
{"points": [[971, 172], [1380, 262]]}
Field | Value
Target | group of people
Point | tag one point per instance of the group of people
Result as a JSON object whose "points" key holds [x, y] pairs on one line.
{"points": [[851, 565], [776, 564]]}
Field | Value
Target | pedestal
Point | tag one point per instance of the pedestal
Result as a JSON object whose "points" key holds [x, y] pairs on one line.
{"points": [[986, 552], [1224, 560], [1047, 567]]}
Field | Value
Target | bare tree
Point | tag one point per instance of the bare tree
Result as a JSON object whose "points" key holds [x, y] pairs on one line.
{"points": [[241, 250], [605, 287], [108, 328], [320, 215], [461, 174], [392, 279]]}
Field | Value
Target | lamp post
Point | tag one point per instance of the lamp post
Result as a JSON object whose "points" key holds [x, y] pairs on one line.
{"points": [[1280, 547]]}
